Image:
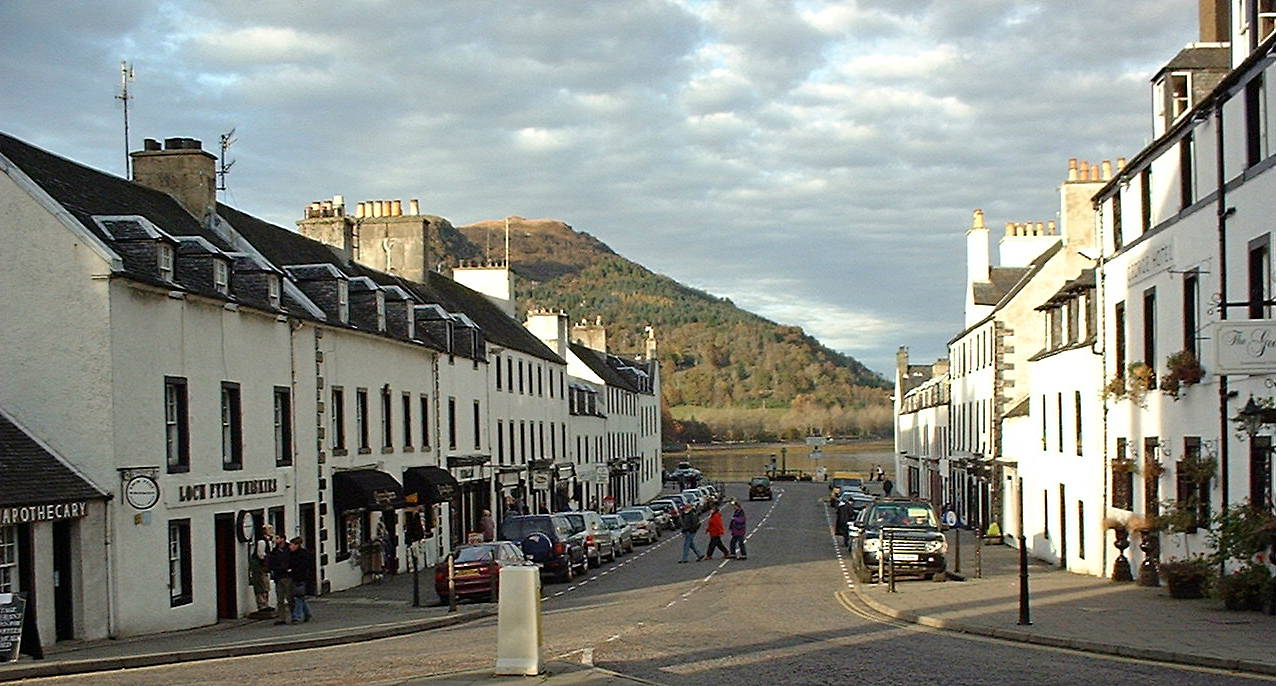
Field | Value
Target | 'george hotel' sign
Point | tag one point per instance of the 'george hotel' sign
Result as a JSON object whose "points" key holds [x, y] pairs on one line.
{"points": [[1246, 347]]}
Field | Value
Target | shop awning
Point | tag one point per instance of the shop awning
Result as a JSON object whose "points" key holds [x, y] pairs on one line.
{"points": [[428, 485], [365, 489]]}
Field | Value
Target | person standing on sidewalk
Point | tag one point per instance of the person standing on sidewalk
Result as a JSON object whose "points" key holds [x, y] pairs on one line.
{"points": [[301, 569], [715, 531], [279, 562], [737, 534], [690, 524], [258, 572]]}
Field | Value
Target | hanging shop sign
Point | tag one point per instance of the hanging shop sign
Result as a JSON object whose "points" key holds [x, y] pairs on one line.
{"points": [[141, 492], [204, 492], [540, 481], [1246, 346]]}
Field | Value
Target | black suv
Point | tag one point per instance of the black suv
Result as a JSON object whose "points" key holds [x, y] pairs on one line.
{"points": [[905, 528], [759, 488], [547, 541]]}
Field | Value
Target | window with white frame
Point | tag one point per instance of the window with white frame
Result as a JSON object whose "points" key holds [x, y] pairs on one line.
{"points": [[283, 426], [8, 559], [1266, 19], [343, 301], [176, 426], [1178, 92], [221, 277], [272, 291], [232, 427], [179, 562], [164, 261]]}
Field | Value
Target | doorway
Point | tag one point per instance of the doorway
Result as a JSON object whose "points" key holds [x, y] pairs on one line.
{"points": [[224, 542], [306, 518], [63, 597]]}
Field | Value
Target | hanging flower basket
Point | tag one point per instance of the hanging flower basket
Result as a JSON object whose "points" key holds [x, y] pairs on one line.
{"points": [[1140, 380], [1184, 370], [1115, 388], [1124, 465]]}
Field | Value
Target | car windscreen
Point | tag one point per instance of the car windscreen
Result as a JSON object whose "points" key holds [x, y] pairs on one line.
{"points": [[631, 516], [518, 529], [761, 481], [903, 514], [478, 553], [577, 521]]}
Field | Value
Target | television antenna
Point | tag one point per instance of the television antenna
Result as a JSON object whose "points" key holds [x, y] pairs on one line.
{"points": [[223, 167], [126, 75], [507, 242]]}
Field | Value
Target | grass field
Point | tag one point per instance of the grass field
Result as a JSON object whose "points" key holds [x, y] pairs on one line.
{"points": [[738, 462]]}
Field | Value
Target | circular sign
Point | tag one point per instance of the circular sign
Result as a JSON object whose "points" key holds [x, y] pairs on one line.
{"points": [[141, 492], [246, 524], [950, 518]]}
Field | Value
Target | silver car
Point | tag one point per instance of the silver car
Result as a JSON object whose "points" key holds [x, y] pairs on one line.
{"points": [[594, 534], [622, 534], [643, 523]]}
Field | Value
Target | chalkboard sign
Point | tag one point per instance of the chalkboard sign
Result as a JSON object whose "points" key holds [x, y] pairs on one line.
{"points": [[12, 608]]}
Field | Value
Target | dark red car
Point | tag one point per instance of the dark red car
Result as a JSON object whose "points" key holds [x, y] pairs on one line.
{"points": [[477, 569]]}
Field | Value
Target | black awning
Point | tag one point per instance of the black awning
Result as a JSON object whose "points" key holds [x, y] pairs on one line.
{"points": [[365, 489], [428, 485], [468, 460]]}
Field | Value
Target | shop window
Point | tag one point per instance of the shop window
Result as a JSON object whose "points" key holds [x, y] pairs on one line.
{"points": [[1190, 494], [8, 559], [1260, 273], [387, 439], [232, 427], [176, 425], [351, 534], [478, 438], [1122, 478], [179, 562], [283, 427]]}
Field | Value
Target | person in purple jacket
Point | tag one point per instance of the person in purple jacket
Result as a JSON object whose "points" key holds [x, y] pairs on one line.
{"points": [[737, 527]]}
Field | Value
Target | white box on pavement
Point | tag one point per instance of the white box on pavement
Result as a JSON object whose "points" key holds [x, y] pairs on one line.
{"points": [[518, 622]]}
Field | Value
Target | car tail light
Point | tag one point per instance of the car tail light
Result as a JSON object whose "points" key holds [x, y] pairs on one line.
{"points": [[489, 569], [440, 573], [589, 540], [559, 548]]}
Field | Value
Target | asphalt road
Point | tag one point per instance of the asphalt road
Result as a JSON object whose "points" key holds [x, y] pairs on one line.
{"points": [[777, 618]]}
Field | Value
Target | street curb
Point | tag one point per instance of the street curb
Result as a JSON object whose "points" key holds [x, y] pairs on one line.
{"points": [[1020, 636], [46, 669]]}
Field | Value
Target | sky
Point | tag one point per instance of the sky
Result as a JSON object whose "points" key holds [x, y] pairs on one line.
{"points": [[816, 162]]}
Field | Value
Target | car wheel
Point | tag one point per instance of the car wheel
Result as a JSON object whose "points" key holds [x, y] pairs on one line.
{"points": [[569, 572], [630, 549], [494, 596]]}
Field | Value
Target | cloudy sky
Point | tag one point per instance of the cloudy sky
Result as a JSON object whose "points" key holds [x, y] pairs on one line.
{"points": [[814, 161]]}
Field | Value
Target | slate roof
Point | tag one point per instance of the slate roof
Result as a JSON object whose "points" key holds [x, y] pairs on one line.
{"points": [[1199, 59], [1000, 281], [285, 247], [1085, 281], [597, 363], [32, 475]]}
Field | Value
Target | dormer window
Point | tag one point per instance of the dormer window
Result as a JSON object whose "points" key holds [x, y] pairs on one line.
{"points": [[1178, 94], [272, 291], [343, 301], [221, 277], [164, 260], [380, 311]]}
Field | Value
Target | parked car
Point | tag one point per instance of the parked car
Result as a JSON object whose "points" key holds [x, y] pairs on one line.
{"points": [[655, 516], [843, 481], [645, 529], [547, 541], [699, 499], [594, 535], [907, 530], [669, 508], [476, 570], [858, 500], [760, 488], [622, 534]]}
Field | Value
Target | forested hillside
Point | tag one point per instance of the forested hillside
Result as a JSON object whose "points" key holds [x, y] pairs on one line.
{"points": [[747, 376]]}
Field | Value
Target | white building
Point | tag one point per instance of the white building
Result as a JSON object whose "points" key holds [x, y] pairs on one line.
{"points": [[922, 441]]}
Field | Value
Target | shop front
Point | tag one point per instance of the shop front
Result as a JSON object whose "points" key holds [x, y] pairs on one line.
{"points": [[427, 495], [365, 504], [473, 494], [511, 491], [563, 490], [52, 542]]}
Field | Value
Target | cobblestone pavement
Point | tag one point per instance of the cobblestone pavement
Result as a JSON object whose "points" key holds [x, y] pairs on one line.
{"points": [[785, 615]]}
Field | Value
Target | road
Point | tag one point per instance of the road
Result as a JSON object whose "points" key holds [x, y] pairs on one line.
{"points": [[779, 617]]}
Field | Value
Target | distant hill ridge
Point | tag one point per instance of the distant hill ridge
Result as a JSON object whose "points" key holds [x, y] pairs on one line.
{"points": [[713, 354]]}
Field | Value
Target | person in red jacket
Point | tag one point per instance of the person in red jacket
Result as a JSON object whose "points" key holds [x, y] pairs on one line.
{"points": [[716, 529]]}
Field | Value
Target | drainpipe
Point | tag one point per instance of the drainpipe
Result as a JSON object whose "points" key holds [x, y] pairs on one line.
{"points": [[1101, 341], [1223, 214]]}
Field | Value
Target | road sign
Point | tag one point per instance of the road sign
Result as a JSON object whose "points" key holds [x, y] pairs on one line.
{"points": [[950, 518], [817, 441]]}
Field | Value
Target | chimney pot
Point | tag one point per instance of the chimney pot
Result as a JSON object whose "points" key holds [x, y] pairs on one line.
{"points": [[397, 208], [1107, 170], [358, 210], [978, 221], [150, 144], [414, 207], [1051, 227], [1120, 163]]}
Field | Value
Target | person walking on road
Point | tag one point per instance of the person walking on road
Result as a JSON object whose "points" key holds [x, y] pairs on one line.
{"points": [[690, 524], [301, 569], [715, 531], [279, 562], [844, 515], [737, 533]]}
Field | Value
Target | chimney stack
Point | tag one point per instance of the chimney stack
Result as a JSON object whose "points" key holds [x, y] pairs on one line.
{"points": [[183, 170], [1216, 21]]}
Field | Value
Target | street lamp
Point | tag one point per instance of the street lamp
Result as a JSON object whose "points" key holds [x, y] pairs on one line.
{"points": [[1251, 420]]}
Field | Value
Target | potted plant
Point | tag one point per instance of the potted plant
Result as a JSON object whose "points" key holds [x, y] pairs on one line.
{"points": [[1187, 578], [1121, 566], [1245, 588], [1141, 379], [1184, 370], [1124, 465]]}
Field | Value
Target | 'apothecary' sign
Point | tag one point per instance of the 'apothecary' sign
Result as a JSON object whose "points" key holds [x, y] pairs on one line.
{"points": [[1246, 347]]}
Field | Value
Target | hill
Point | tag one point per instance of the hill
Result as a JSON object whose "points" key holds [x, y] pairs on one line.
{"points": [[713, 354]]}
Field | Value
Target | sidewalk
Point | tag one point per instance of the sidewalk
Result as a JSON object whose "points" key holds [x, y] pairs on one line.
{"points": [[556, 674], [358, 614], [1081, 612]]}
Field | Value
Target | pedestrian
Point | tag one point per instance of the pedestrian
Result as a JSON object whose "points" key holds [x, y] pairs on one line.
{"points": [[302, 569], [844, 516], [279, 562], [888, 486], [715, 531], [690, 524], [488, 526], [258, 573], [737, 533]]}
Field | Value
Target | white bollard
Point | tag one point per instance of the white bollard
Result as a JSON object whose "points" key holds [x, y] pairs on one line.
{"points": [[518, 622]]}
